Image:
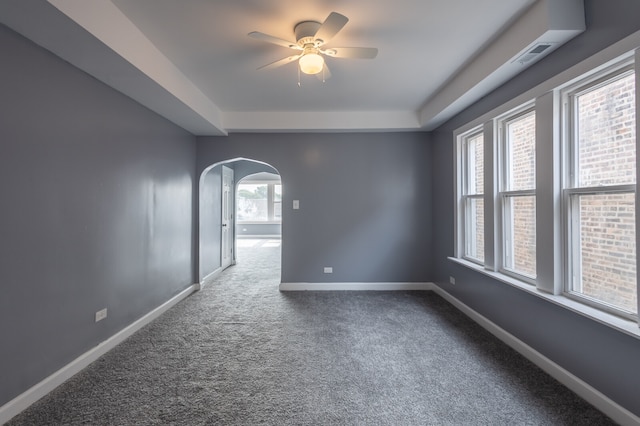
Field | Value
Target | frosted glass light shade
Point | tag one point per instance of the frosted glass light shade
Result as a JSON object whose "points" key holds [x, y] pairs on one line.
{"points": [[311, 63]]}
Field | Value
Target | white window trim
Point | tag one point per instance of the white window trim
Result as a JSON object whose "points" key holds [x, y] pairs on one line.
{"points": [[613, 321], [571, 239], [549, 238], [502, 194], [462, 195]]}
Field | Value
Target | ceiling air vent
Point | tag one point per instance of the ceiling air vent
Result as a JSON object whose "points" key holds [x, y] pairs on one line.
{"points": [[536, 52]]}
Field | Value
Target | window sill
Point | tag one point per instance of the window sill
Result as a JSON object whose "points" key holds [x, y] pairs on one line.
{"points": [[628, 327], [258, 222]]}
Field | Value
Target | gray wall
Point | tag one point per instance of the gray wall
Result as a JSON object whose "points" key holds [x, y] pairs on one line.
{"points": [[365, 202], [96, 212], [604, 358], [244, 168]]}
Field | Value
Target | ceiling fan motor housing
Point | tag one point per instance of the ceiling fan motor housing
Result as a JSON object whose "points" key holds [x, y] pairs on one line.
{"points": [[305, 33]]}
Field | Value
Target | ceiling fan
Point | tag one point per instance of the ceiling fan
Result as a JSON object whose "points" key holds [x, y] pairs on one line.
{"points": [[311, 36]]}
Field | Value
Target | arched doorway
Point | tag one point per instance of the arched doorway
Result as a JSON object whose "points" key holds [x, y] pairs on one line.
{"points": [[218, 228]]}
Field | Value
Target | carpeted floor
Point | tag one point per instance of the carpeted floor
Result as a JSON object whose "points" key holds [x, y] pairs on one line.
{"points": [[242, 353]]}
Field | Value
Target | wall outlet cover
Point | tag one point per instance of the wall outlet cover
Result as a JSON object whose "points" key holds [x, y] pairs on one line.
{"points": [[101, 314]]}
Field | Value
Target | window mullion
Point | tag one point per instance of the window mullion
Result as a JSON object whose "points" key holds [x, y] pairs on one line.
{"points": [[549, 236], [490, 191]]}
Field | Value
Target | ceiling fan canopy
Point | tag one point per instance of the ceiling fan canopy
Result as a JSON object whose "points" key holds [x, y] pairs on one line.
{"points": [[311, 36]]}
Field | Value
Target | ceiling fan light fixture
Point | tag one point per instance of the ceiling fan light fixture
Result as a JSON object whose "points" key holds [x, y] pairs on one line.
{"points": [[311, 63], [311, 37]]}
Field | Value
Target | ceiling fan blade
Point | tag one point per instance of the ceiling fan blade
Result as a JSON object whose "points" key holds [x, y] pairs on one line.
{"points": [[331, 26], [352, 52], [325, 74], [279, 62], [275, 40]]}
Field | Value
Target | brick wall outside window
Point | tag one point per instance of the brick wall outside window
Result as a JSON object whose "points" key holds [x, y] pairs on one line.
{"points": [[606, 129], [607, 222], [475, 151], [521, 136]]}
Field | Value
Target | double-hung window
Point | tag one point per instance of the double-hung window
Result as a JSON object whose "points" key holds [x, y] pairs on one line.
{"points": [[517, 194], [546, 189], [600, 190], [259, 202], [472, 194]]}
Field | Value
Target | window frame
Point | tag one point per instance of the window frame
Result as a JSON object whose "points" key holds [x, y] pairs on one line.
{"points": [[503, 194], [551, 225], [465, 197], [271, 201], [571, 191]]}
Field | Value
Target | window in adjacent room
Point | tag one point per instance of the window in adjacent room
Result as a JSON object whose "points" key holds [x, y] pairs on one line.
{"points": [[599, 190], [517, 194], [259, 202]]}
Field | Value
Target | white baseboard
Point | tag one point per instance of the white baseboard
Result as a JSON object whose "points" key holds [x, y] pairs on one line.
{"points": [[208, 279], [31, 395], [612, 409], [355, 286], [596, 398]]}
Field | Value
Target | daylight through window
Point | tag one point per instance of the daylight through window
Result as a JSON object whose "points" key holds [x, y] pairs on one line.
{"points": [[546, 191]]}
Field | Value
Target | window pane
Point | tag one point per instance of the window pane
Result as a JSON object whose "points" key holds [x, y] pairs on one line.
{"points": [[606, 134], [521, 140], [277, 202], [520, 234], [475, 164], [474, 232], [252, 202], [607, 261]]}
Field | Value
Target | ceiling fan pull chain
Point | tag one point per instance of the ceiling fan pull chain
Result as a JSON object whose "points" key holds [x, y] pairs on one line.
{"points": [[299, 85]]}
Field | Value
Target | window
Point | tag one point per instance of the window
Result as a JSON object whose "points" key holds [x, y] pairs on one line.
{"points": [[517, 197], [599, 190], [546, 190], [259, 202], [473, 195]]}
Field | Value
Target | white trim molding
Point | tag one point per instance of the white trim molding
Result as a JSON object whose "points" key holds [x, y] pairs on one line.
{"points": [[612, 409], [39, 390], [382, 286], [593, 396], [209, 278]]}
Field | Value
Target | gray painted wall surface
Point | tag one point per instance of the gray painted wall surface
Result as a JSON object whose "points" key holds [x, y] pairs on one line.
{"points": [[96, 196], [97, 212], [365, 202], [244, 168], [604, 358]]}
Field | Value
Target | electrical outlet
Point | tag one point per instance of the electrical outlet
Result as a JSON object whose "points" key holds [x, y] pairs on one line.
{"points": [[101, 314], [328, 270], [452, 280], [296, 204]]}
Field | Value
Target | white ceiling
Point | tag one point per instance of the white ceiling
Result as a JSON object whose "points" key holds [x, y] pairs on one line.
{"points": [[192, 61]]}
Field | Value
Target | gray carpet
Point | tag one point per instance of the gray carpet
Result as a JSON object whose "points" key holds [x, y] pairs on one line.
{"points": [[242, 353]]}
